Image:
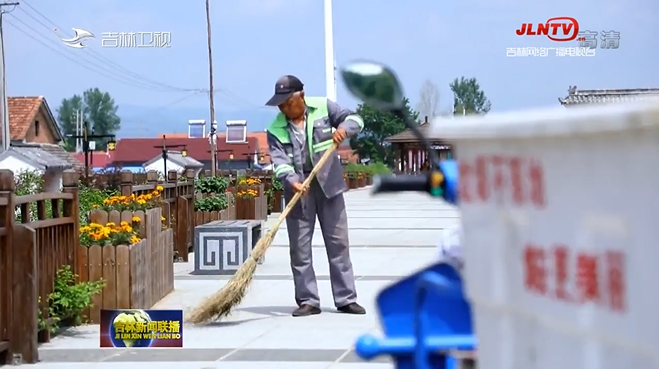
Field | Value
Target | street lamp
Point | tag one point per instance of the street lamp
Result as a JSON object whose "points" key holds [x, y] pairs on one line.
{"points": [[217, 152], [112, 145], [88, 139], [164, 155]]}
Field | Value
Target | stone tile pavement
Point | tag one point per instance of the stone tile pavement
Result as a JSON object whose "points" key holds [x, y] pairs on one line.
{"points": [[390, 236]]}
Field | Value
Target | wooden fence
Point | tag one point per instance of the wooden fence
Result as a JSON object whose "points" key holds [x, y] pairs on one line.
{"points": [[178, 204], [34, 245], [136, 276], [39, 235]]}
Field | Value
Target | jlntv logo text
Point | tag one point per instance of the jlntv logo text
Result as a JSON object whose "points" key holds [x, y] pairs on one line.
{"points": [[564, 29]]}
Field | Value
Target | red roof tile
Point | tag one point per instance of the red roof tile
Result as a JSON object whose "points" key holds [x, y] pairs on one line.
{"points": [[141, 150], [22, 111], [97, 159]]}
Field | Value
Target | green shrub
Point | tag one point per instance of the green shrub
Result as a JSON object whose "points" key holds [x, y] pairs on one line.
{"points": [[212, 203], [216, 185]]}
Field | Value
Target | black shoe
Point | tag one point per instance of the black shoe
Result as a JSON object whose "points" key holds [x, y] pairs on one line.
{"points": [[353, 308], [306, 310]]}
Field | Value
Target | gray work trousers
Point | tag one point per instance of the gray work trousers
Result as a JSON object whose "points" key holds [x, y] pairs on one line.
{"points": [[334, 225]]}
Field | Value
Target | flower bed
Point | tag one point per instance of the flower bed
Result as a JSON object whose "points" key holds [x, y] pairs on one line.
{"points": [[251, 199], [127, 245], [251, 203]]}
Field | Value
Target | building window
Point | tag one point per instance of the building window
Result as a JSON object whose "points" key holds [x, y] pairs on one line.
{"points": [[196, 131], [36, 128], [236, 134]]}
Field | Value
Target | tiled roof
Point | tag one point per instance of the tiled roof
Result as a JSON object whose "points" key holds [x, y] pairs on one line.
{"points": [[407, 135], [173, 135], [576, 96], [141, 150], [56, 151], [176, 157], [97, 159], [262, 139], [22, 112], [38, 157]]}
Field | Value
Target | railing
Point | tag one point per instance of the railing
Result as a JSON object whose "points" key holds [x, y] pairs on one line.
{"points": [[34, 245], [178, 204]]}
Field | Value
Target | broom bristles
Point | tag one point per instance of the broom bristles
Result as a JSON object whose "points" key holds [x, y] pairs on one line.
{"points": [[220, 304]]}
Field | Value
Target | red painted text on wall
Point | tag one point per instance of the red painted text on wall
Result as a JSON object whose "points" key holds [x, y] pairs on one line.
{"points": [[576, 277], [506, 178]]}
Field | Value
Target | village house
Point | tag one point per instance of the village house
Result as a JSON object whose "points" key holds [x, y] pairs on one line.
{"points": [[410, 154], [198, 128], [576, 97], [176, 160], [35, 141]]}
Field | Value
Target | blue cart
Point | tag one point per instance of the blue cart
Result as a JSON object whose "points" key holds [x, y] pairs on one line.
{"points": [[426, 321]]}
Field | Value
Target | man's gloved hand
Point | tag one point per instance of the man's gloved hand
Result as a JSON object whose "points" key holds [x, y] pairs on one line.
{"points": [[340, 135]]}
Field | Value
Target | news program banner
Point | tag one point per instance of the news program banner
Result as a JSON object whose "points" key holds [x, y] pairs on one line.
{"points": [[141, 328]]}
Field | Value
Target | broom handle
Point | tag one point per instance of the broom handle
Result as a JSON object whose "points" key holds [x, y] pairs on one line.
{"points": [[305, 184]]}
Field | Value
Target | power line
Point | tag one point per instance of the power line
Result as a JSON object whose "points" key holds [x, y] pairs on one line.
{"points": [[157, 110], [105, 60], [76, 61], [108, 68]]}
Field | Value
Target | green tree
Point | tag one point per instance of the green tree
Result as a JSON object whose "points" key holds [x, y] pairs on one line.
{"points": [[468, 97], [378, 125], [66, 118], [98, 110]]}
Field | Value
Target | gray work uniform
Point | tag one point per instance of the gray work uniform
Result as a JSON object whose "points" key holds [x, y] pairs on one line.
{"points": [[293, 154]]}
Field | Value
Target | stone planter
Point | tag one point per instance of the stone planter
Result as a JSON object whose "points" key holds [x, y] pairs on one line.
{"points": [[353, 183], [361, 182]]}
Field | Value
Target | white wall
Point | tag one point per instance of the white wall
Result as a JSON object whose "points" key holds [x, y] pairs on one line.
{"points": [[158, 166], [15, 164], [52, 180]]}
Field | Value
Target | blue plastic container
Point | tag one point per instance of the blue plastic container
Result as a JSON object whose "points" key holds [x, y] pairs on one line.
{"points": [[423, 316]]}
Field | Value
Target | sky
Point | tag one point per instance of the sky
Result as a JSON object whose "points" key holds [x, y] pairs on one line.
{"points": [[256, 41]]}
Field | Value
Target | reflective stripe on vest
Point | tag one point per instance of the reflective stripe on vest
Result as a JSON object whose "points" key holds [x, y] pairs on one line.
{"points": [[318, 110]]}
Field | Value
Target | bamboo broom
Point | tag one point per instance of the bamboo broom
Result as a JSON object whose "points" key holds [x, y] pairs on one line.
{"points": [[221, 303]]}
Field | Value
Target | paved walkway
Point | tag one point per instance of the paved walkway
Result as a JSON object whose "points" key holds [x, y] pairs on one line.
{"points": [[390, 237]]}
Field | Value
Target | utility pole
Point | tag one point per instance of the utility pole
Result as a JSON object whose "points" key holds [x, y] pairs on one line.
{"points": [[78, 117], [6, 135], [80, 126], [212, 136], [330, 62]]}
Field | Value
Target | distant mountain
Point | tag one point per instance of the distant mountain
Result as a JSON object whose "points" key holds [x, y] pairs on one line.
{"points": [[139, 121]]}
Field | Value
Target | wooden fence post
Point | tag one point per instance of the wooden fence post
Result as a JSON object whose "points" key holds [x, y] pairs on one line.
{"points": [[7, 187], [72, 209], [152, 177], [126, 183], [191, 198], [180, 245], [25, 322]]}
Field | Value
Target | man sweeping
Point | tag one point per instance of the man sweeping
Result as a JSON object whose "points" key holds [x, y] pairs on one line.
{"points": [[297, 138]]}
